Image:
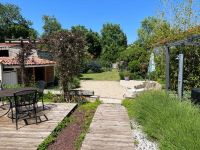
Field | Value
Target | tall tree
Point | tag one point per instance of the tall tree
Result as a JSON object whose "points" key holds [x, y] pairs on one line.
{"points": [[68, 50], [13, 24], [181, 15], [113, 42], [51, 25], [93, 40], [152, 30]]}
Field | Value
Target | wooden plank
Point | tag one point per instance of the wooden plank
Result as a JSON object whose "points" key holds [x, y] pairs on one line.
{"points": [[110, 129], [28, 137]]}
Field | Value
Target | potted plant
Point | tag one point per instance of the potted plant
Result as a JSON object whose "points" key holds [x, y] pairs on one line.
{"points": [[127, 75]]}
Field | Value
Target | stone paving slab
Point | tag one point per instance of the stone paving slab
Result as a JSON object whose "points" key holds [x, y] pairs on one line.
{"points": [[110, 129]]}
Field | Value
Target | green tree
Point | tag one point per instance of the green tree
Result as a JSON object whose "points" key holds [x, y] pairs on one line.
{"points": [[183, 14], [93, 40], [13, 24], [67, 46], [113, 42], [51, 25], [136, 58], [152, 30]]}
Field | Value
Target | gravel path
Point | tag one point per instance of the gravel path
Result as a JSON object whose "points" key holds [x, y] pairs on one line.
{"points": [[140, 139], [104, 89]]}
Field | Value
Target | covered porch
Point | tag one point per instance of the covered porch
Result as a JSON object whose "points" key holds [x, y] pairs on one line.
{"points": [[38, 73]]}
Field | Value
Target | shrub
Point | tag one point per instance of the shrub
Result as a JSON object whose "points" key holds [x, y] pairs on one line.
{"points": [[94, 67], [132, 76], [74, 83], [173, 123], [135, 76], [49, 97]]}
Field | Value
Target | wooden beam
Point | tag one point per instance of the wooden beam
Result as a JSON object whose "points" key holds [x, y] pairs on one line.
{"points": [[167, 55], [34, 74], [45, 74]]}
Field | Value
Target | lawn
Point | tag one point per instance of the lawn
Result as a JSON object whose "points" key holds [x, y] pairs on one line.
{"points": [[173, 123], [106, 76]]}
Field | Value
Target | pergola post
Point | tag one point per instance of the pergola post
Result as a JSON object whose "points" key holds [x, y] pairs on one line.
{"points": [[167, 55]]}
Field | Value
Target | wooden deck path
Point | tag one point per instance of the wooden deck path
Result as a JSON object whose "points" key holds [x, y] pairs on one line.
{"points": [[28, 137], [110, 129]]}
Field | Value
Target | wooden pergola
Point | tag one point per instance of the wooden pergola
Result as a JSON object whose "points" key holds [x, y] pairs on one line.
{"points": [[191, 40]]}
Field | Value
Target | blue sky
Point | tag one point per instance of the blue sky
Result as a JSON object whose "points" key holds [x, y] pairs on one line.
{"points": [[90, 13]]}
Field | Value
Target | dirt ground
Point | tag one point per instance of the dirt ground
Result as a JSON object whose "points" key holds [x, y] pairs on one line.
{"points": [[67, 137]]}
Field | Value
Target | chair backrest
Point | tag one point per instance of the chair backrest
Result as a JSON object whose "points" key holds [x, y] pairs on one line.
{"points": [[41, 85], [25, 97]]}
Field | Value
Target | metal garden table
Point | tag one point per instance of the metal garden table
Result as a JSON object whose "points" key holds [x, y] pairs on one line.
{"points": [[9, 95]]}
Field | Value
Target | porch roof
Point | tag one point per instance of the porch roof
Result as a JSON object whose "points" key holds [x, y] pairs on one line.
{"points": [[12, 61], [8, 45]]}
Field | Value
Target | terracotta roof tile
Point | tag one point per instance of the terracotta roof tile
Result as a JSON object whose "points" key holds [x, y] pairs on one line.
{"points": [[8, 44], [32, 61]]}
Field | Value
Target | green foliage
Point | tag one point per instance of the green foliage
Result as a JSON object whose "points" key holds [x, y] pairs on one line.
{"points": [[183, 14], [132, 76], [93, 40], [173, 123], [113, 42], [135, 58], [13, 24], [51, 25], [94, 67], [74, 83], [152, 30], [48, 97], [6, 86], [191, 69], [94, 43]]}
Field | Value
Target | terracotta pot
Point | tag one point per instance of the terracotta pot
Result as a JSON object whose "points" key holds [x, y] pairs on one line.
{"points": [[126, 78]]}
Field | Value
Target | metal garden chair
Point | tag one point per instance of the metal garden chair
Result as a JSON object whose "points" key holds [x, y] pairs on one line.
{"points": [[41, 85], [25, 104]]}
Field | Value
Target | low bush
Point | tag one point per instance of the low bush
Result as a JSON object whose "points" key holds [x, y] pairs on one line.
{"points": [[94, 67], [6, 86], [74, 83], [132, 76], [173, 123]]}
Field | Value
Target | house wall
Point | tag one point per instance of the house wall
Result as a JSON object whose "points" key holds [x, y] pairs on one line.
{"points": [[14, 51], [1, 71], [49, 74], [9, 77]]}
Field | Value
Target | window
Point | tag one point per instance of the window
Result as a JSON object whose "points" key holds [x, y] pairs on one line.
{"points": [[4, 53]]}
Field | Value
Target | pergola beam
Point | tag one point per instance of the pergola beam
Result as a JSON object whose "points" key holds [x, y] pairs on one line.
{"points": [[190, 41], [167, 54]]}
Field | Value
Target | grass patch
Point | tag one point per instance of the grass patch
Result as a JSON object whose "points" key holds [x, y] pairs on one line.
{"points": [[88, 109], [106, 76], [174, 124]]}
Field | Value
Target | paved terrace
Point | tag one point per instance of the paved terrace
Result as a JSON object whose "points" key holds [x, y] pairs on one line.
{"points": [[28, 137]]}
